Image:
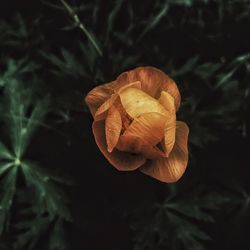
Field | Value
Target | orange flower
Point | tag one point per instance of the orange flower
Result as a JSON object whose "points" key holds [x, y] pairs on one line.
{"points": [[135, 123]]}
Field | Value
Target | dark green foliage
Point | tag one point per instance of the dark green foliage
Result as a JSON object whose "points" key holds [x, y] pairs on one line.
{"points": [[177, 222], [23, 115], [216, 79], [52, 54]]}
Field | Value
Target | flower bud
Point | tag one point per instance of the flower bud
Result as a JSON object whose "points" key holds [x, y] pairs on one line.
{"points": [[135, 124]]}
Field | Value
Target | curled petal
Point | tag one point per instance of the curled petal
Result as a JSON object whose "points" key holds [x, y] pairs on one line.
{"points": [[170, 86], [136, 102], [153, 81], [120, 160], [113, 126], [102, 111], [167, 102], [97, 96], [126, 118], [148, 127], [134, 144], [172, 168]]}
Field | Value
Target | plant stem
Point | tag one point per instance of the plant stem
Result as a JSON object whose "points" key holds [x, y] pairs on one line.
{"points": [[79, 24]]}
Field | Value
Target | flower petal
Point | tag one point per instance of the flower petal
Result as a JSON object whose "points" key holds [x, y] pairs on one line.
{"points": [[172, 168], [134, 144], [97, 96], [170, 86], [136, 85], [120, 160], [102, 111], [113, 126], [136, 102], [167, 102], [153, 82], [148, 127], [148, 76], [126, 118]]}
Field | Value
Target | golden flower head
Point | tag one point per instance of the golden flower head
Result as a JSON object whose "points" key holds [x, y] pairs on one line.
{"points": [[135, 123]]}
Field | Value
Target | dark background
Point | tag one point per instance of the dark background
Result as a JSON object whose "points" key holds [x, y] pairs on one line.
{"points": [[64, 194]]}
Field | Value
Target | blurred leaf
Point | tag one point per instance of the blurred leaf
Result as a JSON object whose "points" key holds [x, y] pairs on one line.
{"points": [[4, 153], [66, 63], [111, 19], [187, 67], [15, 69], [78, 23], [57, 238], [19, 33], [224, 78], [207, 70], [154, 20], [184, 2], [7, 192], [31, 232]]}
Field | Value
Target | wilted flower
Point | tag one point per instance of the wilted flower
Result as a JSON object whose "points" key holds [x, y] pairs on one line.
{"points": [[135, 123]]}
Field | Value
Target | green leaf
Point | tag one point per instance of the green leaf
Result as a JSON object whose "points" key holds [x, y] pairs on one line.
{"points": [[187, 67], [111, 19], [23, 116], [239, 60], [224, 78], [57, 237], [67, 63], [24, 113], [32, 227], [4, 167], [154, 21], [207, 70], [47, 197], [5, 153], [31, 232], [7, 191], [174, 223], [77, 21], [17, 68]]}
